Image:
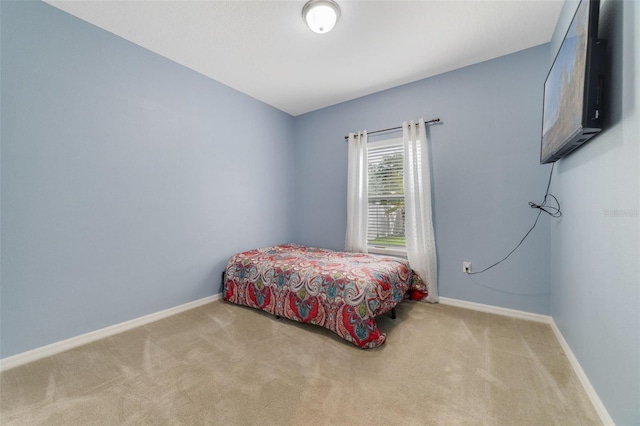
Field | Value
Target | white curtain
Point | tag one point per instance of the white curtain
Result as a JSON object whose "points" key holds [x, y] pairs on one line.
{"points": [[356, 240], [421, 244]]}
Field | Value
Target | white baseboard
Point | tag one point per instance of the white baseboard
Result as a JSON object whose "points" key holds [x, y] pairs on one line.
{"points": [[83, 339], [586, 384], [496, 310], [582, 376]]}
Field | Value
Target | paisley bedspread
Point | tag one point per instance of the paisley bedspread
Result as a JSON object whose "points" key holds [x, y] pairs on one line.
{"points": [[340, 291]]}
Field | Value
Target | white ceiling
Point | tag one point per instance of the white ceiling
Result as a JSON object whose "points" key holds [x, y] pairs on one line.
{"points": [[264, 49]]}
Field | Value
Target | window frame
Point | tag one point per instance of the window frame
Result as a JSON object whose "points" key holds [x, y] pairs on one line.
{"points": [[386, 250]]}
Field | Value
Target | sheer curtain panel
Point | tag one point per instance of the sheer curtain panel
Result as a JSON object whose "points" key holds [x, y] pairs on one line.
{"points": [[357, 193], [421, 245]]}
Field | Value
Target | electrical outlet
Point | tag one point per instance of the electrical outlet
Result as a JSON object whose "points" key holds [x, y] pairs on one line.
{"points": [[466, 267]]}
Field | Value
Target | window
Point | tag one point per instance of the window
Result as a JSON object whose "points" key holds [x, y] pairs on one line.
{"points": [[386, 197]]}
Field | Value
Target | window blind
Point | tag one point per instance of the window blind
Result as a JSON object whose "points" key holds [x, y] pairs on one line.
{"points": [[386, 196]]}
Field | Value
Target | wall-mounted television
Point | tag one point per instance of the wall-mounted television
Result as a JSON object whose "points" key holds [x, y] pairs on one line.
{"points": [[572, 111]]}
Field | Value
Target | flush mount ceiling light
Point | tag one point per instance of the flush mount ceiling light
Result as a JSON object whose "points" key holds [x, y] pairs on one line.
{"points": [[321, 15]]}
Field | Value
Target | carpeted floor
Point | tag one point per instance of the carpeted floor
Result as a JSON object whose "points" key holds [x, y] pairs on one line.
{"points": [[229, 365]]}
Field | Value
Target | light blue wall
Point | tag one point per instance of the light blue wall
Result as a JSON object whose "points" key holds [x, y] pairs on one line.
{"points": [[595, 247], [127, 179], [485, 170]]}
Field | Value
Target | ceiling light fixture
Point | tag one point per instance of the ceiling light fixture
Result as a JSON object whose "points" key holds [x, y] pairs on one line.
{"points": [[321, 15]]}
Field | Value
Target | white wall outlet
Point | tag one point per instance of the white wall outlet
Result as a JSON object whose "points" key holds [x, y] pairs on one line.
{"points": [[466, 267]]}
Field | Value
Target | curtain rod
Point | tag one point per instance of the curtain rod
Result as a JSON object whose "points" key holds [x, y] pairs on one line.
{"points": [[432, 121]]}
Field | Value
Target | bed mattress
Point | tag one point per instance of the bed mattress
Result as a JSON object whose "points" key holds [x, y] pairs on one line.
{"points": [[340, 291]]}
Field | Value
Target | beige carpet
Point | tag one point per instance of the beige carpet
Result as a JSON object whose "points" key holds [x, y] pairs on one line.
{"points": [[229, 365]]}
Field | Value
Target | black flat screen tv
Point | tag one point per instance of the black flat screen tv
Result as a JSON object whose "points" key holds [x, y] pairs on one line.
{"points": [[572, 112]]}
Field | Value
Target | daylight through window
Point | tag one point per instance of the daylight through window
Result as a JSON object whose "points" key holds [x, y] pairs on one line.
{"points": [[386, 211]]}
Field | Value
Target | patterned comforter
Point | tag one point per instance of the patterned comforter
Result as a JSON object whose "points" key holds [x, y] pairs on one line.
{"points": [[340, 291]]}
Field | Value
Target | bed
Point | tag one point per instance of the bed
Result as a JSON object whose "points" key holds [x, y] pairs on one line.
{"points": [[343, 292]]}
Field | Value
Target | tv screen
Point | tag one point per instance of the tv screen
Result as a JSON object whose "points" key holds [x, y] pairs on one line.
{"points": [[573, 89]]}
